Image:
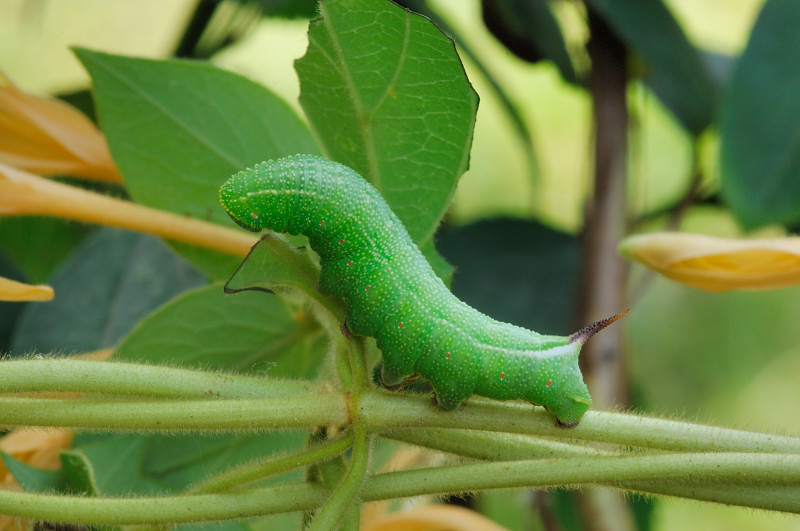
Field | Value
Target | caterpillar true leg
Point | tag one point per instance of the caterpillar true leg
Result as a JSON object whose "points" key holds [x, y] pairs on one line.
{"points": [[345, 331], [404, 381]]}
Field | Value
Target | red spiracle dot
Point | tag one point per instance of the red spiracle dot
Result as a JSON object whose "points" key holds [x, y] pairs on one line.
{"points": [[400, 325], [502, 376], [548, 383], [349, 262], [366, 288], [447, 355], [253, 215], [321, 223], [341, 242]]}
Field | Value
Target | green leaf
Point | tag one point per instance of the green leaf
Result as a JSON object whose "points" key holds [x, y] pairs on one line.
{"points": [[287, 8], [178, 129], [760, 122], [516, 271], [113, 279], [387, 95], [246, 331], [37, 244], [167, 463], [34, 479], [273, 264], [529, 30], [443, 269], [80, 472], [673, 67]]}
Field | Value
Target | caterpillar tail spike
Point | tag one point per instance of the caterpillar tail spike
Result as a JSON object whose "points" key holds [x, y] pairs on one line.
{"points": [[582, 336]]}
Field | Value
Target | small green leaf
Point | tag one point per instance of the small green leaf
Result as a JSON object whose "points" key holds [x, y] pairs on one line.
{"points": [[112, 279], [273, 264], [34, 479], [760, 122], [673, 67], [178, 129], [246, 331], [80, 472], [386, 93], [126, 464]]}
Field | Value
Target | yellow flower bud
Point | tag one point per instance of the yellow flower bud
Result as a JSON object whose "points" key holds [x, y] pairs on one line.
{"points": [[718, 264], [11, 290]]}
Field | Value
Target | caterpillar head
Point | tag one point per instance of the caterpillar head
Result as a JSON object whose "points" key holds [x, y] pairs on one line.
{"points": [[236, 196]]}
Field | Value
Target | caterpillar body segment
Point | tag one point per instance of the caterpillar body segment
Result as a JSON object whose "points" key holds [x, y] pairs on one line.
{"points": [[393, 294]]}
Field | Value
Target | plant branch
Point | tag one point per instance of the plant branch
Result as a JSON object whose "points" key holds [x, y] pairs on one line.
{"points": [[118, 378], [767, 481], [162, 509], [346, 494], [487, 445], [752, 470], [511, 447], [383, 411], [303, 411]]}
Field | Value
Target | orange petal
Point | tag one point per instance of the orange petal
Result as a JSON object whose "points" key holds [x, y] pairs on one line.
{"points": [[11, 290], [718, 264], [433, 518], [48, 136]]}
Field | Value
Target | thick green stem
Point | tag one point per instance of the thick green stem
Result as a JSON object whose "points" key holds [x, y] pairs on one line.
{"points": [[512, 447], [117, 378], [346, 494], [383, 411], [754, 470], [239, 476], [235, 414], [489, 446], [768, 481], [161, 510]]}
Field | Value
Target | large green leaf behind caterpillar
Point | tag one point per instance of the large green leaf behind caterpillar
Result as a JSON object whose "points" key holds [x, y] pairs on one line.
{"points": [[393, 295]]}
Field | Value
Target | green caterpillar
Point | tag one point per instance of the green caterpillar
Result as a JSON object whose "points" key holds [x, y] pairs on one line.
{"points": [[393, 295]]}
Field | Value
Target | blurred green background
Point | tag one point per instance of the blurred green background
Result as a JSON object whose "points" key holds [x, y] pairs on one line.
{"points": [[743, 349]]}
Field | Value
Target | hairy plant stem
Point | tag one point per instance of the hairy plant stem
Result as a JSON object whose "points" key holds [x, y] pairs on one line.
{"points": [[345, 496], [174, 415], [512, 447], [768, 481], [384, 411], [120, 378], [377, 411], [673, 458]]}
